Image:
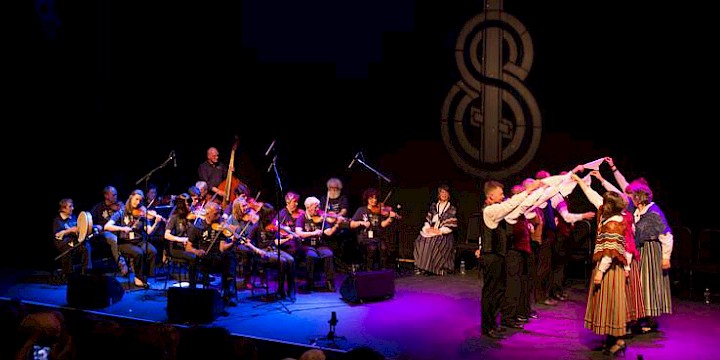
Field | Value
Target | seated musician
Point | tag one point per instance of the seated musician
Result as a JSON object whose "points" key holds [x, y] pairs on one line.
{"points": [[132, 228], [262, 238], [213, 243], [176, 234], [101, 213], [313, 229], [290, 243], [240, 220], [343, 241], [371, 235], [66, 238]]}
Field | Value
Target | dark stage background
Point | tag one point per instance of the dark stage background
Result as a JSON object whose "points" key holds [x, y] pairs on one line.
{"points": [[121, 84]]}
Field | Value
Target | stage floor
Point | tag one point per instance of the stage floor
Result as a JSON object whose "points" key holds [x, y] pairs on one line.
{"points": [[429, 317]]}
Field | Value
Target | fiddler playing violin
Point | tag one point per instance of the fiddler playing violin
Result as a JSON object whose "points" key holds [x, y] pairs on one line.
{"points": [[262, 239], [132, 226], [370, 220], [212, 241]]}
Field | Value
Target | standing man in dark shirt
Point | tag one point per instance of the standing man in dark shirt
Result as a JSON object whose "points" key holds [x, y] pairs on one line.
{"points": [[213, 172]]}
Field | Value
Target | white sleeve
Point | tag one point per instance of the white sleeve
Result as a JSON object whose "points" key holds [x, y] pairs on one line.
{"points": [[569, 217], [628, 258], [493, 214], [525, 205], [620, 178], [604, 264], [667, 245]]}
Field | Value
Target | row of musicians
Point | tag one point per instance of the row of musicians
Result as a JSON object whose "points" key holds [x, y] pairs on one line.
{"points": [[210, 239]]}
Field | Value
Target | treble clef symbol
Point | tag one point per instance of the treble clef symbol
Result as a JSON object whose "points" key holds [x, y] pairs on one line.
{"points": [[491, 123]]}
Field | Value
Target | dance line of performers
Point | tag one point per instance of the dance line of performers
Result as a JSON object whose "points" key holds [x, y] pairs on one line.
{"points": [[630, 284]]}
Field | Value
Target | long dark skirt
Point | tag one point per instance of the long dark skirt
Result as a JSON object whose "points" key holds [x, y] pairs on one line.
{"points": [[435, 254]]}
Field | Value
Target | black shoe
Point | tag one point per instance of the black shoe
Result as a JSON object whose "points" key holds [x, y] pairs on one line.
{"points": [[522, 319], [493, 334], [560, 297], [500, 329], [512, 324], [229, 302], [533, 314]]}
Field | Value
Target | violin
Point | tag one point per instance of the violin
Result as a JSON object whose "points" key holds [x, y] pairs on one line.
{"points": [[144, 212], [251, 216], [383, 210], [329, 217], [222, 227], [284, 230]]}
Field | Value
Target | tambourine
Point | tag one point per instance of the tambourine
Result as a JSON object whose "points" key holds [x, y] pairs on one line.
{"points": [[84, 225]]}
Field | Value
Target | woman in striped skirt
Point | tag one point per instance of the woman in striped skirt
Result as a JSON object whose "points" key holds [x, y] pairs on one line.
{"points": [[434, 246], [606, 312], [655, 241], [635, 303]]}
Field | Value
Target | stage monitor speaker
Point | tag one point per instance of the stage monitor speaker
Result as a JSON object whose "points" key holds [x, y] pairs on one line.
{"points": [[93, 291], [368, 285], [188, 305]]}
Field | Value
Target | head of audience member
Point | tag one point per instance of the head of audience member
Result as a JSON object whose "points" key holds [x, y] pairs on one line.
{"points": [[312, 354], [205, 343], [493, 192], [334, 187], [364, 353]]}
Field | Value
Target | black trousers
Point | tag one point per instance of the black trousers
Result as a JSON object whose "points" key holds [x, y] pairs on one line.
{"points": [[493, 291], [516, 293]]}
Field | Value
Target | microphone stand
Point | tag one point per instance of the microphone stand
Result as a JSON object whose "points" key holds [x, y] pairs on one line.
{"points": [[278, 196], [145, 223], [359, 158], [378, 173]]}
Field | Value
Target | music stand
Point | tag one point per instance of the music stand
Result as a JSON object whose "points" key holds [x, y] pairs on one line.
{"points": [[278, 197], [144, 233], [331, 336]]}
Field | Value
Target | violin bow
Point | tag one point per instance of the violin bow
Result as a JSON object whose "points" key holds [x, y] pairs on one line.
{"points": [[327, 204]]}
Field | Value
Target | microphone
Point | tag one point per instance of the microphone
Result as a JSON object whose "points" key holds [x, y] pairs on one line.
{"points": [[272, 145], [172, 155], [353, 160], [272, 163]]}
